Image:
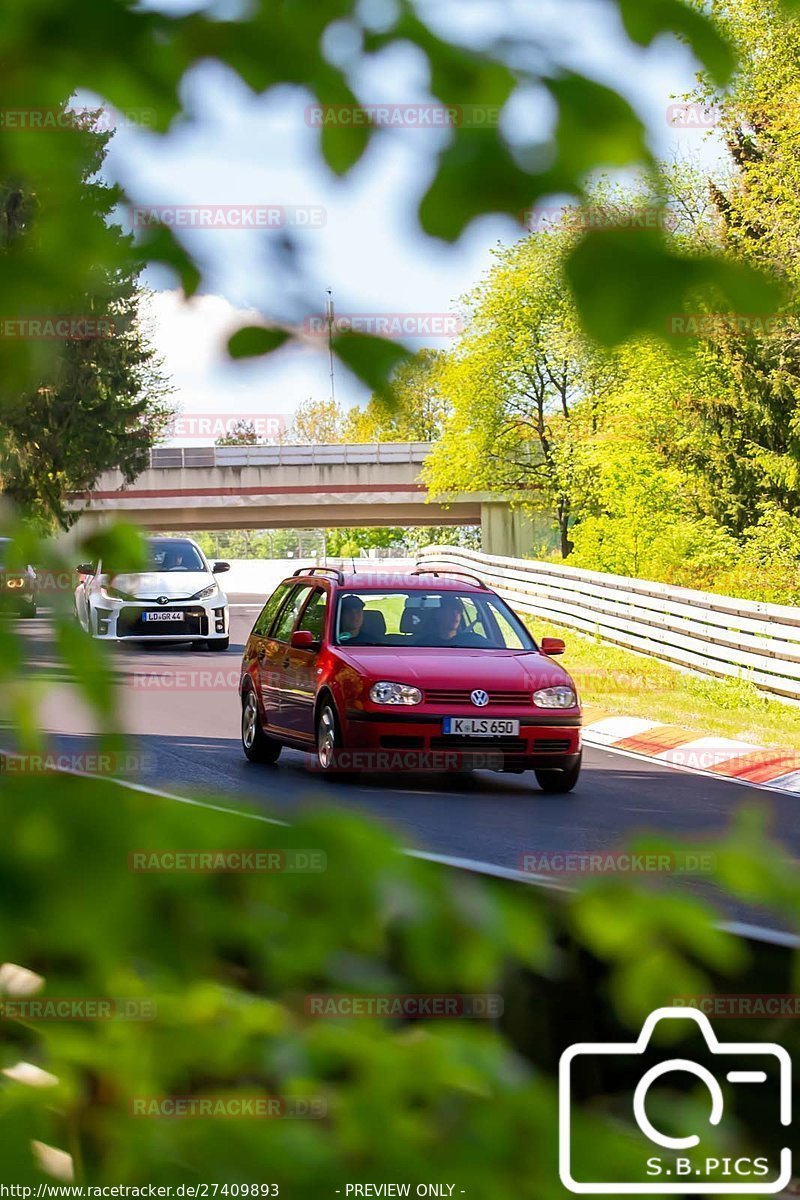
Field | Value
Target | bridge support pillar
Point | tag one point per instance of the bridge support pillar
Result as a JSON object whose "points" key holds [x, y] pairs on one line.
{"points": [[506, 531]]}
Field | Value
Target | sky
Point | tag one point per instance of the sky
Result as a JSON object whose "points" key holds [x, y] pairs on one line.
{"points": [[239, 149]]}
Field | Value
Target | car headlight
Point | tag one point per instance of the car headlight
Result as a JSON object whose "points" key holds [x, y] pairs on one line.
{"points": [[555, 697], [111, 593], [394, 693], [15, 581], [211, 590]]}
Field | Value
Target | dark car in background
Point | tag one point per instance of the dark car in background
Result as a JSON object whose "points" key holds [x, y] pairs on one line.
{"points": [[18, 585]]}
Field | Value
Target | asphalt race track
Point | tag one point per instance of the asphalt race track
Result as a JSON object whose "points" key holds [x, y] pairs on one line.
{"points": [[181, 710]]}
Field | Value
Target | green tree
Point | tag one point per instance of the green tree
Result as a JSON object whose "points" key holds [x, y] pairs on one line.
{"points": [[759, 121], [102, 402], [521, 384], [414, 410], [243, 433], [228, 957], [748, 444], [641, 510], [133, 56], [316, 422]]}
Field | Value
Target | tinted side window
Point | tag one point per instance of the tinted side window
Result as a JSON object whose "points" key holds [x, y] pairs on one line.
{"points": [[313, 620], [269, 610], [286, 620]]}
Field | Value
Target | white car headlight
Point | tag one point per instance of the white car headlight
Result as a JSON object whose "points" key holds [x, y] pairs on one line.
{"points": [[211, 590], [555, 697], [394, 693], [112, 593]]}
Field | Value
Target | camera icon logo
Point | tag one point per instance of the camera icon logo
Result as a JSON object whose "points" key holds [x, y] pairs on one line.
{"points": [[676, 1170]]}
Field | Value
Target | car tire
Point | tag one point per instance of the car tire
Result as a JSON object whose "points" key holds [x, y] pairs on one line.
{"points": [[28, 610], [257, 746], [329, 741], [556, 781], [220, 644]]}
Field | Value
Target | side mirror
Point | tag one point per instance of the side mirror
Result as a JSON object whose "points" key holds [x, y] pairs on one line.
{"points": [[303, 639], [85, 568], [552, 646], [219, 568]]}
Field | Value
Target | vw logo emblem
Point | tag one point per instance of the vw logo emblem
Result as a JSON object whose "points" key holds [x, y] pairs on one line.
{"points": [[479, 697], [163, 599]]}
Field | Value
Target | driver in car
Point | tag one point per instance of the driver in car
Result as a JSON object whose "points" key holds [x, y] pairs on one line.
{"points": [[173, 561], [448, 626]]}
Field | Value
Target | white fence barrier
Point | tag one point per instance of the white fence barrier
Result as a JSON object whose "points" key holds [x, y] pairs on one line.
{"points": [[338, 454], [715, 635]]}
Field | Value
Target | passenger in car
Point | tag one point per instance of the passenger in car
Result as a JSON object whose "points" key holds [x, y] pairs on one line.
{"points": [[447, 627]]}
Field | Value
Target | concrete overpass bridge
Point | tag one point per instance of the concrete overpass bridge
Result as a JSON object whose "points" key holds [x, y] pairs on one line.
{"points": [[296, 487]]}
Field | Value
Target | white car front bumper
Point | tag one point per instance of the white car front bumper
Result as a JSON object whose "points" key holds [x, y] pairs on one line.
{"points": [[147, 621]]}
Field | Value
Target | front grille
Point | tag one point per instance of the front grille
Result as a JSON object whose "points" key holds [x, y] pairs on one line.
{"points": [[130, 624], [508, 745], [551, 745], [455, 696]]}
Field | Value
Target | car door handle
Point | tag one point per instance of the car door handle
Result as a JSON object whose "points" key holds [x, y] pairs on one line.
{"points": [[262, 654], [286, 662]]}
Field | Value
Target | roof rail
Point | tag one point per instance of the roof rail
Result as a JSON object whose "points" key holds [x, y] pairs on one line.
{"points": [[456, 574], [334, 571]]}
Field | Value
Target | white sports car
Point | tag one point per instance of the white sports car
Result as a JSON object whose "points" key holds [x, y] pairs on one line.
{"points": [[177, 600]]}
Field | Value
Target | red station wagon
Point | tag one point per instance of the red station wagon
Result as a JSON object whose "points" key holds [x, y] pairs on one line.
{"points": [[375, 672]]}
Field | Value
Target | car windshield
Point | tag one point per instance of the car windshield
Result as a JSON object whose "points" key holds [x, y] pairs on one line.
{"points": [[172, 556], [465, 620]]}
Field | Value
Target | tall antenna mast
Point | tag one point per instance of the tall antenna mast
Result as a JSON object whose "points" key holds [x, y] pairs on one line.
{"points": [[329, 315]]}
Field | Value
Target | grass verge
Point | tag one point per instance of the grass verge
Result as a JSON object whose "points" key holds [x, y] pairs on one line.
{"points": [[619, 683]]}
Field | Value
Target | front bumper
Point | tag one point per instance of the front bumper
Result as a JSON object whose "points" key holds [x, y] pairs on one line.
{"points": [[124, 620], [544, 740]]}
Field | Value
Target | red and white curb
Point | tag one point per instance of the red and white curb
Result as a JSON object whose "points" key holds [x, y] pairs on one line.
{"points": [[723, 757]]}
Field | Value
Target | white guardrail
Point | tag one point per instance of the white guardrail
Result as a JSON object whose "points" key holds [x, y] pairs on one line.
{"points": [[715, 635], [337, 454]]}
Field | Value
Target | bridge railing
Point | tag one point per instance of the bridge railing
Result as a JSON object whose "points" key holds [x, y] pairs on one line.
{"points": [[701, 631], [336, 454]]}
